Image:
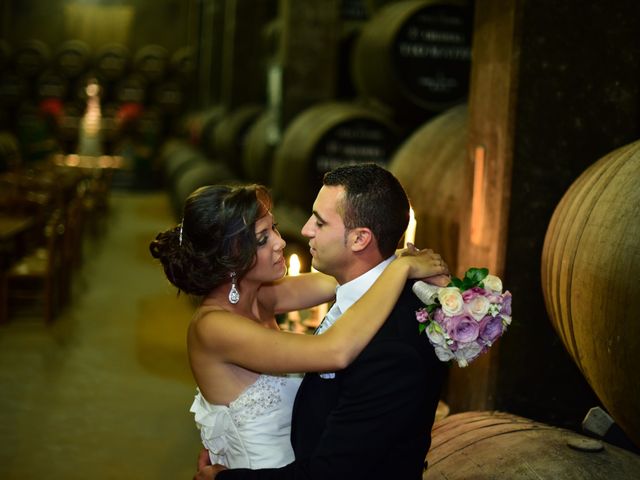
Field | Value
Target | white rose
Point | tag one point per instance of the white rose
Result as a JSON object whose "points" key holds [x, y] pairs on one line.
{"points": [[451, 301], [466, 353], [436, 334], [478, 307], [493, 283], [444, 354], [426, 292]]}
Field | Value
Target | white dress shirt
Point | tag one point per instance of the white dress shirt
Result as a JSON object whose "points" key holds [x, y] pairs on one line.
{"points": [[347, 295]]}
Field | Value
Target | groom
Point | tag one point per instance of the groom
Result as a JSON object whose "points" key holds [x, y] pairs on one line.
{"points": [[373, 419]]}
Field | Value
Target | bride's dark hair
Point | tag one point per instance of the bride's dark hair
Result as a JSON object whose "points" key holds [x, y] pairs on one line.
{"points": [[218, 237]]}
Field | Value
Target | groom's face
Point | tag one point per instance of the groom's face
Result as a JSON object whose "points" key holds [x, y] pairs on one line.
{"points": [[326, 233]]}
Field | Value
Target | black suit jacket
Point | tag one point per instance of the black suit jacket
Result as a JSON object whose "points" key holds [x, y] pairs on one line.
{"points": [[373, 421]]}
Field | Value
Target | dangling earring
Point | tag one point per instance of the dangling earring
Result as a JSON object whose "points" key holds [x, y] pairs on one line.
{"points": [[234, 294]]}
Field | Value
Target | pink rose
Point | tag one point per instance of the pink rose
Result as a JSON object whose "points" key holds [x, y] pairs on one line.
{"points": [[422, 315], [473, 293]]}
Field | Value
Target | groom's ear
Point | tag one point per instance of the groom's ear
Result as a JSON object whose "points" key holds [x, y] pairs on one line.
{"points": [[361, 237]]}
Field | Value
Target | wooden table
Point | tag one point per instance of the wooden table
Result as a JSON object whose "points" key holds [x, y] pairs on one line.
{"points": [[13, 230]]}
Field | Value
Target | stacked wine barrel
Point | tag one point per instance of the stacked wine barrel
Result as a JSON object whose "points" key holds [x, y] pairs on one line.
{"points": [[324, 137], [590, 272], [415, 56], [496, 445], [430, 166]]}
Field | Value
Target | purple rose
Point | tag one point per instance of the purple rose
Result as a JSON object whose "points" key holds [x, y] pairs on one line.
{"points": [[463, 328], [490, 328], [473, 293], [439, 316], [506, 304]]}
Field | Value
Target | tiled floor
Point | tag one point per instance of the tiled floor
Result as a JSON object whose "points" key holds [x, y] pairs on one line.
{"points": [[104, 392]]}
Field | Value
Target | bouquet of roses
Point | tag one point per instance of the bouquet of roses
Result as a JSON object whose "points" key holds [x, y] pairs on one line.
{"points": [[463, 319]]}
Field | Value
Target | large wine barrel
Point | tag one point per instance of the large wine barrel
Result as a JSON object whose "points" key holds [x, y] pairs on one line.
{"points": [[259, 145], [151, 61], [13, 90], [182, 64], [131, 89], [111, 62], [200, 126], [72, 58], [324, 137], [415, 56], [31, 58], [495, 445], [199, 174], [51, 84], [430, 166], [230, 135], [590, 280]]}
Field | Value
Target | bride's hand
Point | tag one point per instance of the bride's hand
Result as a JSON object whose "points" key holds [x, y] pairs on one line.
{"points": [[423, 263]]}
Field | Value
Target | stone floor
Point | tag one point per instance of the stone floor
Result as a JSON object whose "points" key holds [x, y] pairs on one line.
{"points": [[103, 392]]}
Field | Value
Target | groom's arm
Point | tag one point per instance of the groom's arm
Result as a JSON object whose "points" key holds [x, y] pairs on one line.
{"points": [[383, 398]]}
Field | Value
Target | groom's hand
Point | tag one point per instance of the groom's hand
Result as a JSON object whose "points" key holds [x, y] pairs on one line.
{"points": [[203, 459], [209, 472]]}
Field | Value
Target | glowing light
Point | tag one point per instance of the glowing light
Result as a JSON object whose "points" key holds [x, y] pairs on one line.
{"points": [[410, 233], [294, 265]]}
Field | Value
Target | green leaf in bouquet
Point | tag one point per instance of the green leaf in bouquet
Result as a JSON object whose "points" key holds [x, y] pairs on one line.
{"points": [[421, 327], [476, 275], [457, 283]]}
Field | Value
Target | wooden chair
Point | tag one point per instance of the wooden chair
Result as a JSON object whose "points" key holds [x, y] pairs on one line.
{"points": [[36, 276]]}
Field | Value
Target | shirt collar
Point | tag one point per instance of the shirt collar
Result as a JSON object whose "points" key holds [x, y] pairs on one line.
{"points": [[349, 293]]}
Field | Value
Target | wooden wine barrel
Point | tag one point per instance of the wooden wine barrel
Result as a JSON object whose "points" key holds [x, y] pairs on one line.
{"points": [[131, 89], [260, 143], [230, 134], [415, 56], [13, 90], [51, 84], [590, 272], [176, 157], [31, 58], [200, 126], [151, 61], [324, 137], [182, 63], [72, 58], [169, 97], [199, 174], [495, 445], [430, 166], [111, 62]]}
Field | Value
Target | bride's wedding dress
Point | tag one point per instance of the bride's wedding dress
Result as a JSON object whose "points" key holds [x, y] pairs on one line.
{"points": [[253, 431]]}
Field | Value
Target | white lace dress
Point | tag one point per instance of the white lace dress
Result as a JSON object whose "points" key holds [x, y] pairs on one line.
{"points": [[253, 431]]}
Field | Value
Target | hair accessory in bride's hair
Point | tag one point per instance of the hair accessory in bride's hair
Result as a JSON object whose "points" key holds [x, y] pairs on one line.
{"points": [[180, 233], [234, 294]]}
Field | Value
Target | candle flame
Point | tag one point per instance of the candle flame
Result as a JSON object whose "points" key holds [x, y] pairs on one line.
{"points": [[294, 265], [410, 233]]}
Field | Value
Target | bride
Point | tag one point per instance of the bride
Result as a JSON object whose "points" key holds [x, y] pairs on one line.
{"points": [[228, 250]]}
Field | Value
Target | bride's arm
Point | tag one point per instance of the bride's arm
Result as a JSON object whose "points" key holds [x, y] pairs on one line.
{"points": [[238, 340], [297, 292]]}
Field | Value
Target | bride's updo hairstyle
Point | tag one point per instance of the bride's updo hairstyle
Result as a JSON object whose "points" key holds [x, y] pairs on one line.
{"points": [[216, 237]]}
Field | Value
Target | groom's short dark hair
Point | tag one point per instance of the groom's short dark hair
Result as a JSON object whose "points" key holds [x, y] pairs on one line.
{"points": [[374, 199]]}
